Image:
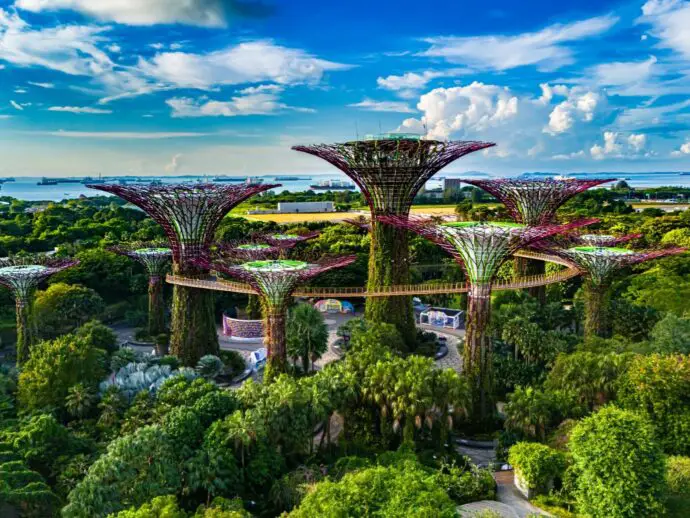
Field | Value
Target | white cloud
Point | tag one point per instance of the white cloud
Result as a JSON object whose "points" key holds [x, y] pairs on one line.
{"points": [[19, 90], [205, 13], [249, 62], [569, 156], [637, 141], [3, 116], [174, 164], [114, 48], [614, 148], [383, 106], [79, 109], [41, 85], [670, 20], [546, 49], [157, 46], [647, 116], [407, 84], [16, 105], [683, 150], [258, 100], [176, 46], [119, 135], [579, 105]]}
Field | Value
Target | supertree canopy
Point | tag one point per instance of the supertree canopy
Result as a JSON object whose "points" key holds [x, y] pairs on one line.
{"points": [[21, 275], [534, 201], [289, 240], [247, 251], [480, 248], [189, 215], [390, 170], [600, 264], [606, 240], [275, 282], [155, 257]]}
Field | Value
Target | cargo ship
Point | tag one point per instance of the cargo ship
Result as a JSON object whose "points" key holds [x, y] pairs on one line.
{"points": [[229, 179], [332, 185]]}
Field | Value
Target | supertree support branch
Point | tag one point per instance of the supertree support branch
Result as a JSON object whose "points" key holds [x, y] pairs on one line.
{"points": [[599, 265], [21, 275], [243, 251], [275, 282], [390, 171], [360, 222], [480, 248], [189, 215], [288, 241], [534, 202], [155, 257], [604, 240]]}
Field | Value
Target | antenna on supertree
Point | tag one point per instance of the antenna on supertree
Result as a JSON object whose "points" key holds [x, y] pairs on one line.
{"points": [[189, 215], [480, 248], [21, 275], [599, 265], [274, 281], [390, 170], [155, 257], [534, 201]]}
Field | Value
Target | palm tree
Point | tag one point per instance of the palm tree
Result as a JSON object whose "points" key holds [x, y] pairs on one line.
{"points": [[80, 400], [243, 429], [307, 334], [528, 411]]}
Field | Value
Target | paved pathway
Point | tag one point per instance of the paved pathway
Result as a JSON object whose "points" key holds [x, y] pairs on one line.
{"points": [[508, 494]]}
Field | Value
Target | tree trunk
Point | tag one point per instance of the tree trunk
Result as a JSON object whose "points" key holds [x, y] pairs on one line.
{"points": [[528, 267], [274, 322], [597, 311], [389, 265], [193, 332], [26, 330], [156, 306], [477, 351]]}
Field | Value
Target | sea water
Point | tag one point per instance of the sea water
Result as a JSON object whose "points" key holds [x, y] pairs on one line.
{"points": [[26, 188]]}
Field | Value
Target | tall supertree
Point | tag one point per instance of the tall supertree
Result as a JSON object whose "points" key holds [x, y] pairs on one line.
{"points": [[189, 215], [599, 264], [155, 257], [390, 170], [480, 248], [534, 202], [21, 275], [275, 281]]}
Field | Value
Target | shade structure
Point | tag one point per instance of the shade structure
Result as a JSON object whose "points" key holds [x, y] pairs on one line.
{"points": [[189, 214], [274, 281], [480, 248], [156, 258], [21, 275], [390, 170]]}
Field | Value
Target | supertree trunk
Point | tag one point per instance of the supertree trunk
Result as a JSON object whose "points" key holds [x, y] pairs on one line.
{"points": [[597, 310], [525, 267], [275, 320], [26, 330], [477, 352], [389, 265], [156, 307], [193, 331]]}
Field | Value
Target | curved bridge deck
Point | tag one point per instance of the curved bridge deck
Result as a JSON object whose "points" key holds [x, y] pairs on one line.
{"points": [[532, 281]]}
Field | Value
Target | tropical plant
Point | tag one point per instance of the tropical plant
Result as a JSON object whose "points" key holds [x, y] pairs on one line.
{"points": [[536, 464], [64, 307], [124, 356], [307, 334], [135, 377], [209, 366], [80, 400], [98, 335], [671, 335], [678, 475]]}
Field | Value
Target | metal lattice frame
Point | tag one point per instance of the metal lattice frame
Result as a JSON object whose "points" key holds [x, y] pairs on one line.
{"points": [[188, 213], [242, 251], [155, 257], [360, 222], [604, 240], [21, 275], [390, 172], [534, 201], [287, 241]]}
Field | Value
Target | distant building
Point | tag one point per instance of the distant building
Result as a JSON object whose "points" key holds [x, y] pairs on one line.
{"points": [[306, 206]]}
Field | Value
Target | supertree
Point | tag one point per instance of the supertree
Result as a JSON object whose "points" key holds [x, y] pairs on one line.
{"points": [[287, 241], [248, 250], [21, 275], [189, 215], [599, 264], [274, 281], [155, 258], [605, 240], [534, 202], [480, 248], [390, 170]]}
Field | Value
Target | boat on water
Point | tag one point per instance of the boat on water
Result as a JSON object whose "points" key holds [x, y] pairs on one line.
{"points": [[289, 178], [47, 181], [229, 179], [254, 181], [332, 185], [684, 174], [88, 180]]}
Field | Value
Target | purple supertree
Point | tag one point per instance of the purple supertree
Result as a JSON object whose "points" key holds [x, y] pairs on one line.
{"points": [[360, 222], [534, 202], [606, 240], [480, 248], [248, 250], [21, 275], [390, 170], [287, 241], [274, 281], [155, 257], [599, 264], [189, 215]]}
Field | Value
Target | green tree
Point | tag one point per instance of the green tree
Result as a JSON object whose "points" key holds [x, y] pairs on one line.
{"points": [[98, 335], [307, 334], [80, 400], [63, 307], [620, 465], [671, 335]]}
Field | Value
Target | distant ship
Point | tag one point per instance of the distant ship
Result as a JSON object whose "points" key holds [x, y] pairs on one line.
{"points": [[229, 179], [289, 178], [47, 181], [10, 179], [684, 174], [332, 185], [254, 181], [69, 180], [88, 180]]}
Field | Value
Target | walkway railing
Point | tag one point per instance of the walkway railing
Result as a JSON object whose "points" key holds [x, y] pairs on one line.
{"points": [[531, 281]]}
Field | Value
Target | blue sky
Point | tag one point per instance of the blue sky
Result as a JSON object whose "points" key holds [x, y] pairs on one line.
{"points": [[227, 86]]}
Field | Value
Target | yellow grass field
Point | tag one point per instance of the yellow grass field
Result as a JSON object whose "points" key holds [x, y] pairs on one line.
{"points": [[432, 210]]}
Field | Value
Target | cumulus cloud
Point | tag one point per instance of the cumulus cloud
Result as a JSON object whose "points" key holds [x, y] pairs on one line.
{"points": [[617, 147], [79, 109], [580, 105], [409, 83], [382, 106], [683, 150], [548, 49], [259, 100]]}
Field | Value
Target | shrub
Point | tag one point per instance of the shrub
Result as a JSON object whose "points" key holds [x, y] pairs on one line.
{"points": [[64, 307], [124, 356], [620, 466], [56, 365], [26, 490], [209, 366], [536, 464], [98, 335], [678, 475], [234, 363]]}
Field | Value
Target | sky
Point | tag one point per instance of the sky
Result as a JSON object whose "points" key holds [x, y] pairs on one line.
{"points": [[173, 87]]}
